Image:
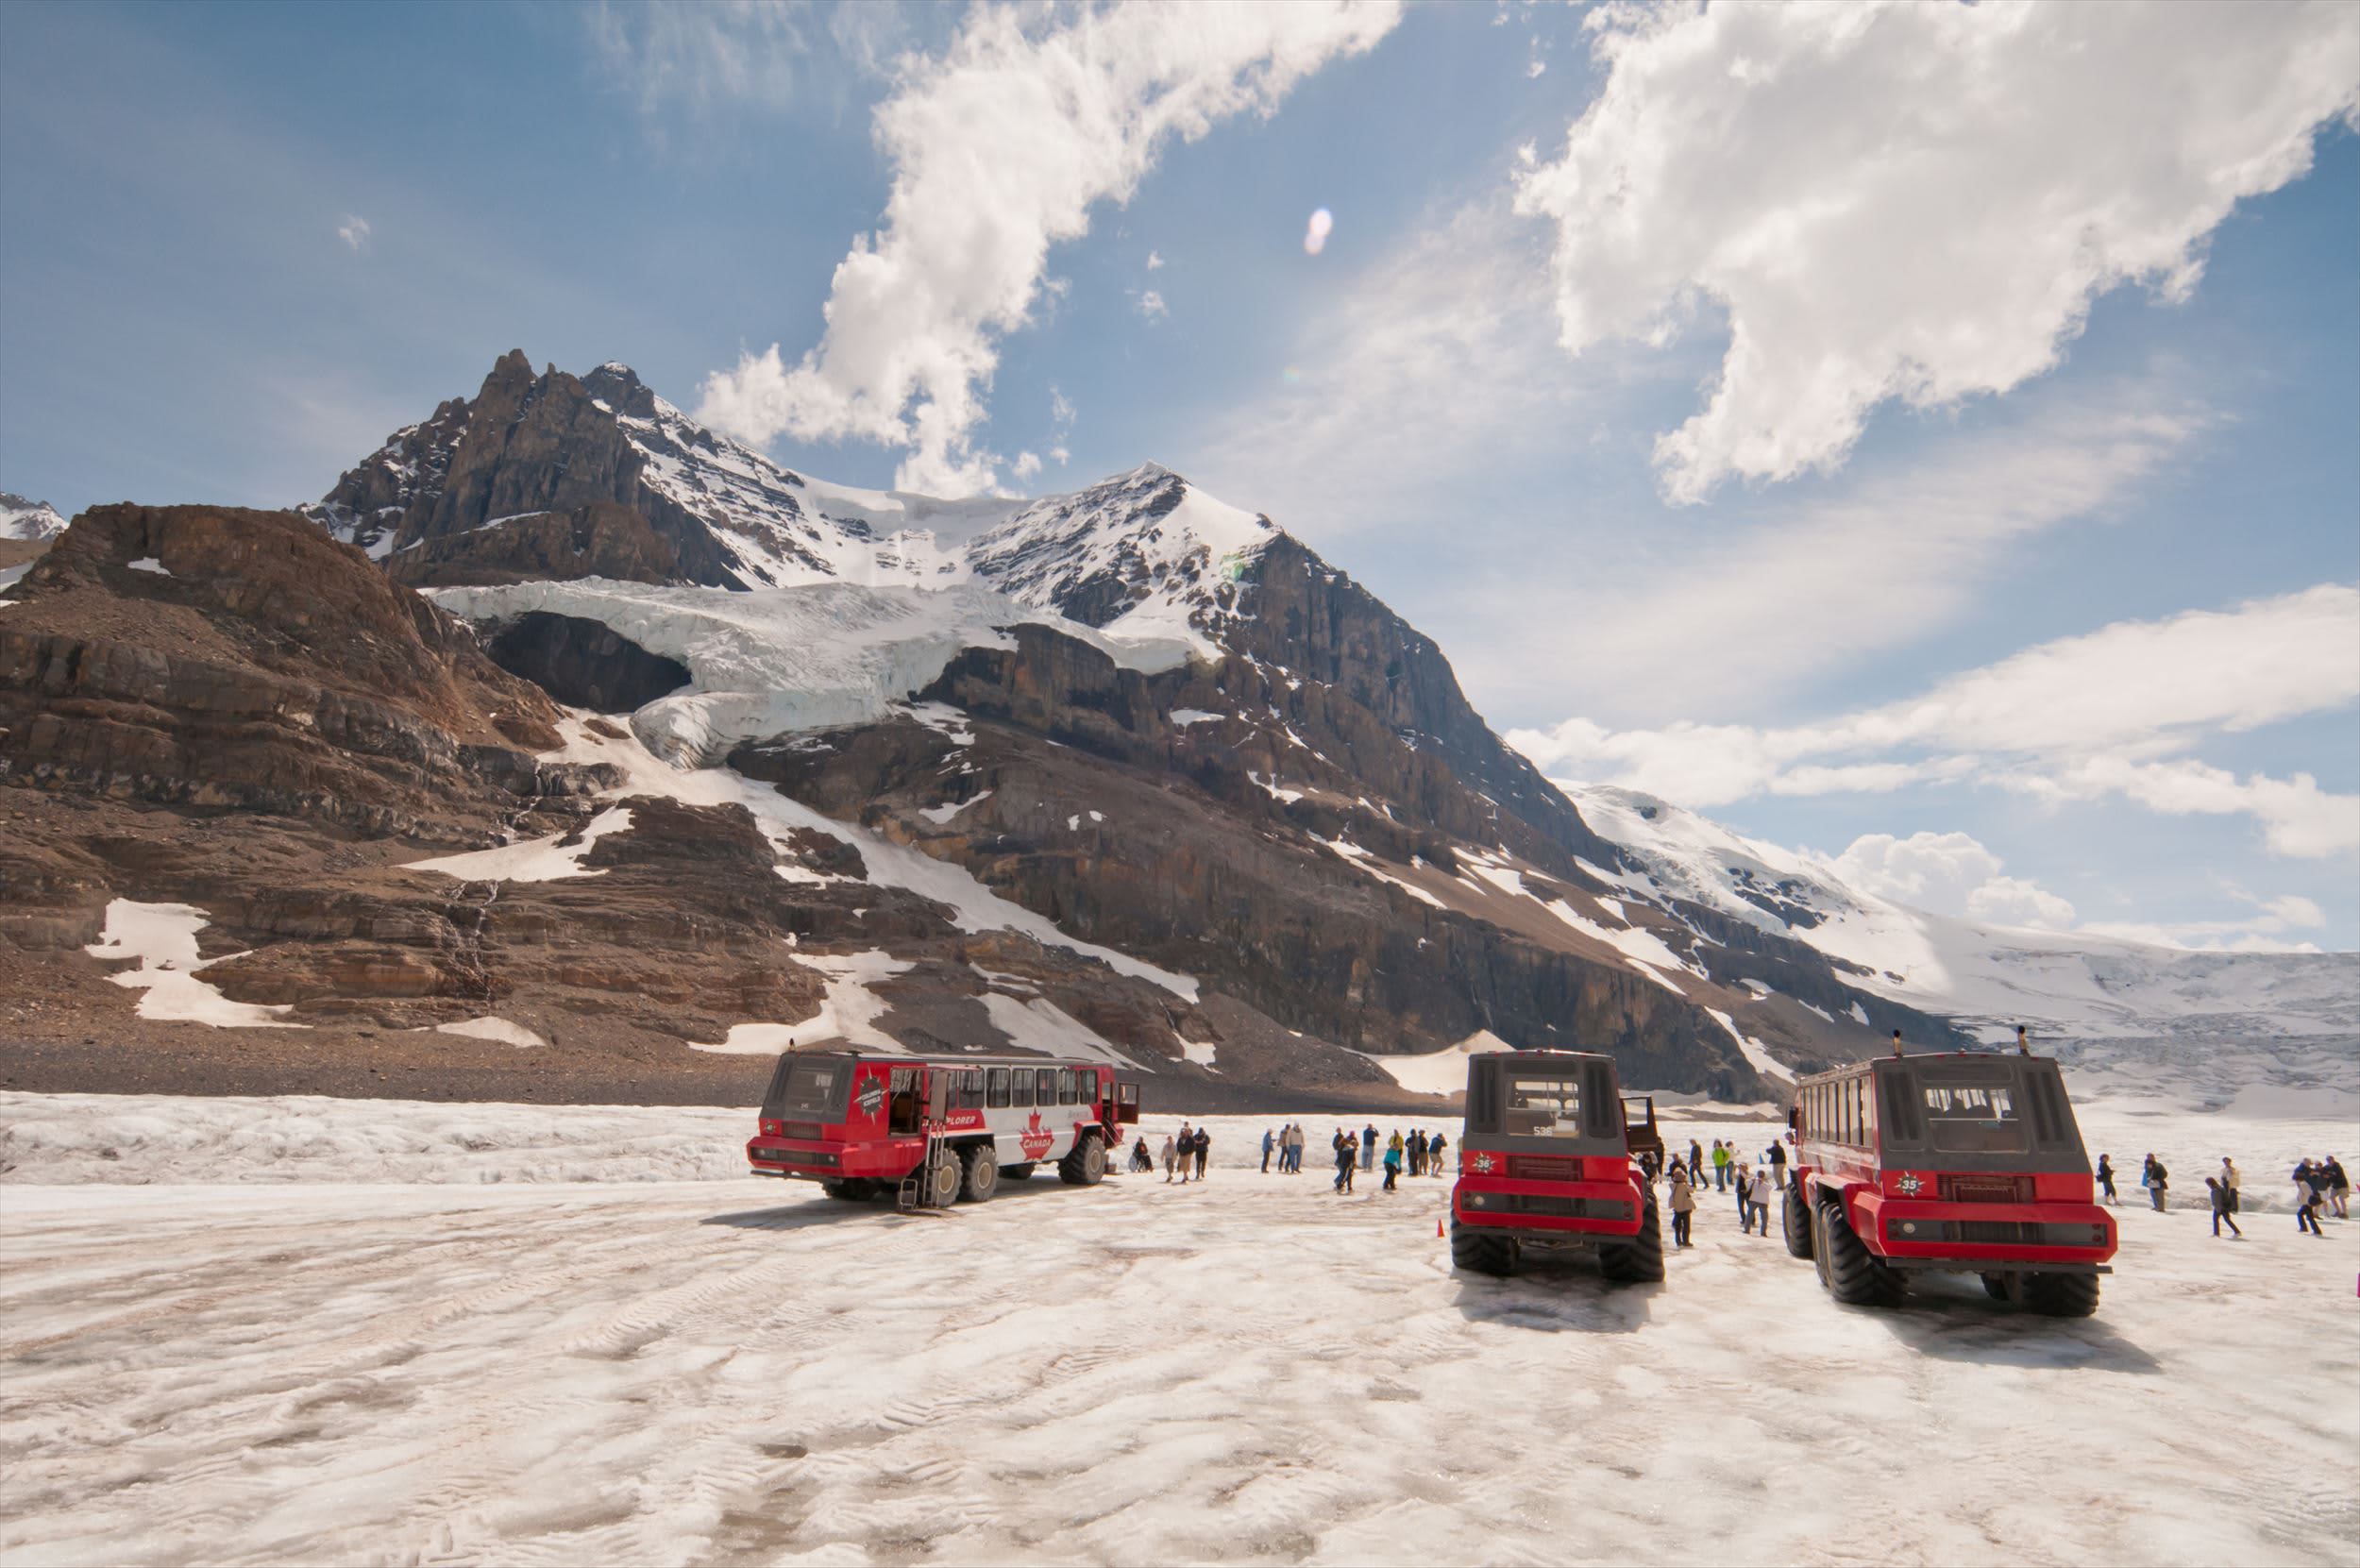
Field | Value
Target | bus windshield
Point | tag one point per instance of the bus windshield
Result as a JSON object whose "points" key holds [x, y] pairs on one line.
{"points": [[808, 1085]]}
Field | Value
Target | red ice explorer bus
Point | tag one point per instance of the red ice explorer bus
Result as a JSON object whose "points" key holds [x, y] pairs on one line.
{"points": [[933, 1131], [1545, 1163], [1964, 1161]]}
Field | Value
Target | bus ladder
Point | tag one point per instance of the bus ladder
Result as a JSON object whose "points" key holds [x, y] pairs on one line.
{"points": [[914, 1186]]}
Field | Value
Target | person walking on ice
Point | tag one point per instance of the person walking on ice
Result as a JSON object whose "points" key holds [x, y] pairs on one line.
{"points": [[1346, 1147], [1392, 1162], [1683, 1207], [2224, 1208], [2106, 1181], [1203, 1147], [2307, 1201], [1368, 1147], [2229, 1182], [2338, 1187], [1757, 1199], [1434, 1155], [1720, 1167], [2157, 1181], [1270, 1142], [1172, 1157]]}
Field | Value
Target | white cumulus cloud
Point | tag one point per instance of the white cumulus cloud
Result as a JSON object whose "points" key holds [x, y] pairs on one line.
{"points": [[1000, 148], [1152, 305], [1911, 201]]}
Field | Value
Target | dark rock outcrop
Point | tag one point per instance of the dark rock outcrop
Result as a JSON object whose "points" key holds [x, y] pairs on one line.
{"points": [[216, 657], [584, 664]]}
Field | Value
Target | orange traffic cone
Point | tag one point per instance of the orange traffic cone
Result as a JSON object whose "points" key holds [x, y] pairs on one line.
{"points": [[1438, 1225]]}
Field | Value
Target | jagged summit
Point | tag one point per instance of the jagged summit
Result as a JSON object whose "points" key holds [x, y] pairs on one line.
{"points": [[26, 520], [529, 480]]}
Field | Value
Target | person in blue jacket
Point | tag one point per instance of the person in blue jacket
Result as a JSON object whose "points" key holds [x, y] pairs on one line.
{"points": [[1270, 1142], [1368, 1147]]}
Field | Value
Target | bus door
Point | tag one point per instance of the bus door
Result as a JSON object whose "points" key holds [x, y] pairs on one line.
{"points": [[1126, 1103]]}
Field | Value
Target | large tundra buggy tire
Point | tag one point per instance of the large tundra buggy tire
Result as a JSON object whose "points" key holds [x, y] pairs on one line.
{"points": [[1480, 1252], [2061, 1295], [852, 1190], [1795, 1219], [1639, 1259], [939, 1182], [980, 1172], [1020, 1172], [1855, 1274], [1087, 1165]]}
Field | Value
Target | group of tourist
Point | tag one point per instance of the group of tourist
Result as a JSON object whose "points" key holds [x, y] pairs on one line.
{"points": [[2319, 1184], [1189, 1148], [1753, 1184]]}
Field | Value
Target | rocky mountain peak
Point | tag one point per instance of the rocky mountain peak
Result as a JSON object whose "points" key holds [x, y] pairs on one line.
{"points": [[27, 520]]}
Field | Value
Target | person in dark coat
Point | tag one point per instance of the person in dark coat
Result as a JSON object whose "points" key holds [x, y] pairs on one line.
{"points": [[1368, 1147], [1778, 1166], [2310, 1187], [1203, 1146], [1695, 1161], [1348, 1155], [2222, 1213], [1434, 1153], [2157, 1181], [2106, 1180], [2338, 1187]]}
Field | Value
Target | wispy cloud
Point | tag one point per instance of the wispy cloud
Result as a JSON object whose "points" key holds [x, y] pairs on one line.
{"points": [[1883, 558], [1000, 148], [1151, 305], [704, 56], [2111, 714], [1913, 202], [354, 231]]}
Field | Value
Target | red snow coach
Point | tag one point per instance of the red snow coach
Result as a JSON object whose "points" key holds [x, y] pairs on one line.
{"points": [[936, 1132], [1969, 1162], [1545, 1162]]}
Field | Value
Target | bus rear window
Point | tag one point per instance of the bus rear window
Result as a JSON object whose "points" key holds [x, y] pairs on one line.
{"points": [[1974, 1119], [1544, 1107]]}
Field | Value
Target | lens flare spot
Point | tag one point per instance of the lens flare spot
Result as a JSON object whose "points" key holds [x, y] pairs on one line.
{"points": [[1315, 234]]}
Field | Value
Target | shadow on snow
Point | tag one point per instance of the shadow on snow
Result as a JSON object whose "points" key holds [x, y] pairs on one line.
{"points": [[1951, 1317], [1555, 1296]]}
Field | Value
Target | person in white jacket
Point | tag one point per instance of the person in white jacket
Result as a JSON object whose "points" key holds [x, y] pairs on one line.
{"points": [[1172, 1157], [2229, 1181], [1757, 1202]]}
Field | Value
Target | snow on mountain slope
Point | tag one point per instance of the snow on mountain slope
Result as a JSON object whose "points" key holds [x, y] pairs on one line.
{"points": [[780, 660], [1990, 977], [1142, 548], [27, 520], [1142, 554]]}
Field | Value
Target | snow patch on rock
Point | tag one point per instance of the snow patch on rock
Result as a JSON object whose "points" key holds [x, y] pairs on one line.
{"points": [[162, 936]]}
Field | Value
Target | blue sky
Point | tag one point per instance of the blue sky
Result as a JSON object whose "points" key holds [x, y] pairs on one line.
{"points": [[1956, 474]]}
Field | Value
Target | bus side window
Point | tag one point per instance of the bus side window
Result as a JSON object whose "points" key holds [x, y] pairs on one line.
{"points": [[1066, 1092], [996, 1092], [1019, 1087], [971, 1090], [1047, 1085]]}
